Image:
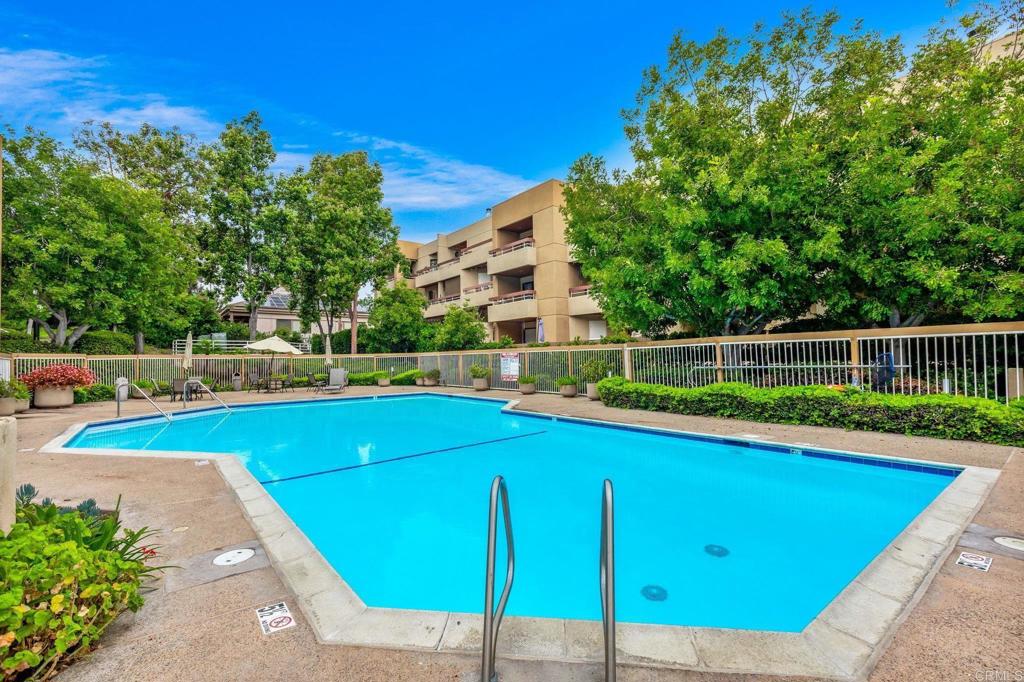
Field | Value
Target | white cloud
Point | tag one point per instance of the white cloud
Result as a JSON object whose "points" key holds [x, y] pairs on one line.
{"points": [[64, 90], [287, 161], [418, 179]]}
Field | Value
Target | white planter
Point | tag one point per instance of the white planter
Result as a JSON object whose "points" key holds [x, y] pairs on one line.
{"points": [[427, 381], [20, 405], [54, 396], [7, 406], [527, 389], [420, 381], [141, 393], [568, 391], [480, 384], [592, 391], [383, 382]]}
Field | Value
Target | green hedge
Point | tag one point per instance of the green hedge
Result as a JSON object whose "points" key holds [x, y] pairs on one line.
{"points": [[406, 378], [94, 393], [102, 342], [939, 416], [365, 378]]}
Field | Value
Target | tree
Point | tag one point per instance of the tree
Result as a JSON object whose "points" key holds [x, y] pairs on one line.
{"points": [[460, 329], [82, 249], [241, 246], [797, 167], [339, 235], [396, 320]]}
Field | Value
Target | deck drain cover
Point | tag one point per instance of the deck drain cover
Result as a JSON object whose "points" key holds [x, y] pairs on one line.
{"points": [[235, 556], [1012, 543], [716, 550], [654, 592]]}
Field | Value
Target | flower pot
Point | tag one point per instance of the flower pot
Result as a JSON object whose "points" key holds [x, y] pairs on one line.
{"points": [[592, 390], [568, 391], [20, 404], [420, 381], [527, 389], [7, 406], [54, 396], [480, 384], [384, 382], [140, 393], [427, 381]]}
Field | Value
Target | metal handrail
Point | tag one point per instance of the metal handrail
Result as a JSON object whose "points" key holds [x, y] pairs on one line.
{"points": [[607, 570], [151, 401], [205, 388], [492, 617]]}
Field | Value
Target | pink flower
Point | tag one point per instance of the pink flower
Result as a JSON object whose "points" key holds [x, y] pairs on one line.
{"points": [[58, 375]]}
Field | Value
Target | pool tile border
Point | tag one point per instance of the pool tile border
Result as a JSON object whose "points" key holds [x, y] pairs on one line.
{"points": [[841, 643]]}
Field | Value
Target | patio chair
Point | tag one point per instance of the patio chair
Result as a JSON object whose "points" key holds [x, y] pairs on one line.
{"points": [[314, 384], [289, 382], [337, 380], [196, 391], [177, 389], [256, 382]]}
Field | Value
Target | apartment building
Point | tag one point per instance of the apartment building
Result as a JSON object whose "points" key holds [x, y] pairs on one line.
{"points": [[515, 268]]}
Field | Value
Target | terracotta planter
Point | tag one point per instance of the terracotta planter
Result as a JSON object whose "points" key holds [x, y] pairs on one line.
{"points": [[383, 382], [527, 389], [568, 391], [7, 406], [54, 396], [592, 391], [20, 405], [427, 381], [480, 384]]}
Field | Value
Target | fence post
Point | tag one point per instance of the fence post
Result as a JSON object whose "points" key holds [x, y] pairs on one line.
{"points": [[135, 368], [855, 358], [458, 379], [719, 363], [627, 362]]}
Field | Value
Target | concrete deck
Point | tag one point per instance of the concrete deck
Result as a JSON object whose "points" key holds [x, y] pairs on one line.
{"points": [[967, 625]]}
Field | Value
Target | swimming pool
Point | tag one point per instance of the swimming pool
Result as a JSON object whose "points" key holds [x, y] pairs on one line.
{"points": [[393, 493]]}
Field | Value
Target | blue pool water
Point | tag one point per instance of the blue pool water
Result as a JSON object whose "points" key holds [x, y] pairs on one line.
{"points": [[734, 536]]}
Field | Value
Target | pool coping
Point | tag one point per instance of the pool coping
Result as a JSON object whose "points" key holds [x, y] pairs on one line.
{"points": [[842, 642]]}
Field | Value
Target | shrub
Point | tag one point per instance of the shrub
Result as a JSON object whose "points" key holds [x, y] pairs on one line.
{"points": [[434, 374], [594, 369], [8, 389], [527, 379], [20, 342], [66, 575], [565, 381], [94, 393], [407, 378], [103, 342], [480, 371], [938, 416], [58, 375], [365, 378]]}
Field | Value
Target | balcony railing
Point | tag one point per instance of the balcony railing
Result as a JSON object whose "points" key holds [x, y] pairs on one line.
{"points": [[512, 297], [436, 266], [580, 291], [479, 287], [514, 246]]}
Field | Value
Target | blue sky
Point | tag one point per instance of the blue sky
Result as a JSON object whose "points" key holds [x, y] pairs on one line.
{"points": [[463, 104]]}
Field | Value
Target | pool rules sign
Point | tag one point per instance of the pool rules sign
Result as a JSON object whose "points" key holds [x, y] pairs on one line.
{"points": [[510, 366], [274, 618]]}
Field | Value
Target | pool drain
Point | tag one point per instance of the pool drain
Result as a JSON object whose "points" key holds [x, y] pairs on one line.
{"points": [[654, 592], [716, 550], [235, 556], [1012, 543]]}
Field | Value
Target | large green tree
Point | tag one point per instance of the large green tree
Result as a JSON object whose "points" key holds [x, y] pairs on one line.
{"points": [[799, 166], [460, 329], [396, 320], [241, 246], [339, 237], [82, 249]]}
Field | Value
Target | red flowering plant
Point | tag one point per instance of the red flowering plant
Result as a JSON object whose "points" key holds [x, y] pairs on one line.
{"points": [[58, 375]]}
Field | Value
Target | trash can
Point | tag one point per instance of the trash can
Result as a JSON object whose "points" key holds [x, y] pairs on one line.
{"points": [[236, 381]]}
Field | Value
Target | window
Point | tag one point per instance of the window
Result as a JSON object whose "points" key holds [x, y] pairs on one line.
{"points": [[286, 325]]}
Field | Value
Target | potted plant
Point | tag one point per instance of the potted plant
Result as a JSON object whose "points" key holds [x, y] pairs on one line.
{"points": [[431, 377], [527, 384], [384, 381], [8, 401], [593, 370], [54, 386], [481, 376], [567, 386], [419, 377], [21, 396], [144, 388]]}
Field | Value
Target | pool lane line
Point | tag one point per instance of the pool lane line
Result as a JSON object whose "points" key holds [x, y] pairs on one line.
{"points": [[398, 459]]}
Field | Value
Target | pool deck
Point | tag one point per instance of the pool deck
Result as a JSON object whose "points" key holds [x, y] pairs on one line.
{"points": [[199, 622]]}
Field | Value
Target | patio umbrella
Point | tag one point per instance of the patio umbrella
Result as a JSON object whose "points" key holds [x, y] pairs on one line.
{"points": [[274, 345], [328, 360], [186, 360], [540, 329]]}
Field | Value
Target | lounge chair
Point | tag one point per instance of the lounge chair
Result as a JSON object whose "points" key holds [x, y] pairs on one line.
{"points": [[256, 382], [314, 384], [196, 390], [337, 380]]}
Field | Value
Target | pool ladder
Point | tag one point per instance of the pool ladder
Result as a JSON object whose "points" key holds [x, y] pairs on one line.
{"points": [[606, 561]]}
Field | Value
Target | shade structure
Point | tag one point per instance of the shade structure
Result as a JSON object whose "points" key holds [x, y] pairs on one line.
{"points": [[328, 360], [274, 344], [186, 359]]}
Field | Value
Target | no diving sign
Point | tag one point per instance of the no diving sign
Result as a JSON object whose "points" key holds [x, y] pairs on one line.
{"points": [[275, 617], [975, 561]]}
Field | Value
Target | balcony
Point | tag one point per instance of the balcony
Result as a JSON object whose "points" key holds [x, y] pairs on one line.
{"points": [[517, 257], [436, 273], [518, 305], [439, 307], [581, 302], [478, 295], [475, 255]]}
